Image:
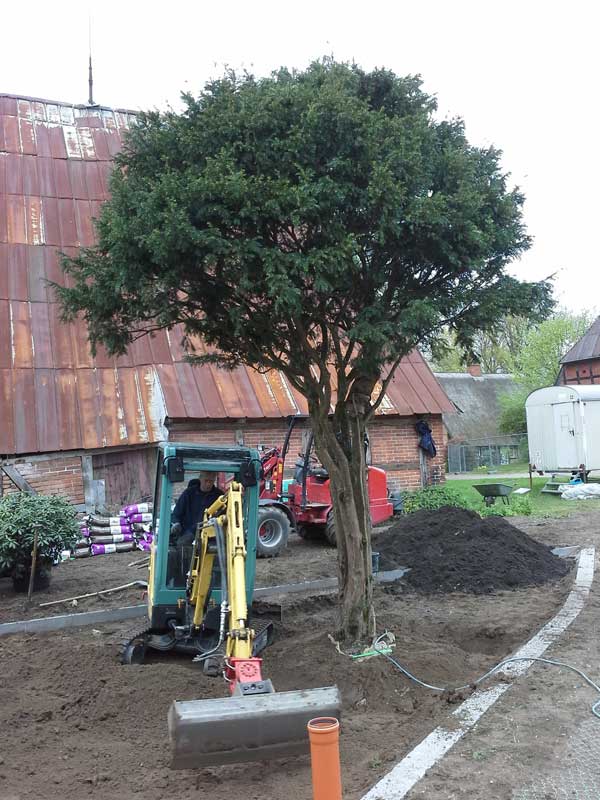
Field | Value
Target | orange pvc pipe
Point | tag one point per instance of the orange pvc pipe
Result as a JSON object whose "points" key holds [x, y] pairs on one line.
{"points": [[324, 736]]}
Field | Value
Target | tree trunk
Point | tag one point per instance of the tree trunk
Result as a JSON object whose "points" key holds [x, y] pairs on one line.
{"points": [[348, 483]]}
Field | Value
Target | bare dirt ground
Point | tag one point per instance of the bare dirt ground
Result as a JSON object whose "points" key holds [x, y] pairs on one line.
{"points": [[74, 723], [301, 561]]}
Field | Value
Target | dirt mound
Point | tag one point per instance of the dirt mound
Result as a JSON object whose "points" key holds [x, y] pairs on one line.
{"points": [[455, 550]]}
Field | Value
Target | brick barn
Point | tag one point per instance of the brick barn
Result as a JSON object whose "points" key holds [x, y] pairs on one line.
{"points": [[86, 427]]}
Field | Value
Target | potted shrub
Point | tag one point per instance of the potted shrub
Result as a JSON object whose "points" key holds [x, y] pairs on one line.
{"points": [[21, 515]]}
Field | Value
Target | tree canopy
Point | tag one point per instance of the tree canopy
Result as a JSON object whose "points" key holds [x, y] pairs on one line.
{"points": [[321, 222]]}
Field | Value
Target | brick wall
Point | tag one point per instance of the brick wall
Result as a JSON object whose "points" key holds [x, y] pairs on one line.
{"points": [[60, 475], [394, 444]]}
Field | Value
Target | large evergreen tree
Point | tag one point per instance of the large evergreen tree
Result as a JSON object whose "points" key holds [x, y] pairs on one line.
{"points": [[322, 223]]}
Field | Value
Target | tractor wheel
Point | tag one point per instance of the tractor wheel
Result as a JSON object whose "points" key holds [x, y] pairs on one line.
{"points": [[330, 530], [273, 531]]}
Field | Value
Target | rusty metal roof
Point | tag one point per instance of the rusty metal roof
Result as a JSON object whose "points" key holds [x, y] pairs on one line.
{"points": [[55, 160], [588, 347]]}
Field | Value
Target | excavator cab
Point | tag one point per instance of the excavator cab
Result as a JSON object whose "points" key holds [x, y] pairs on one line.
{"points": [[177, 465], [199, 602]]}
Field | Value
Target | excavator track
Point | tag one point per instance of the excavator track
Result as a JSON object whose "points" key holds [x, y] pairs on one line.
{"points": [[133, 649]]}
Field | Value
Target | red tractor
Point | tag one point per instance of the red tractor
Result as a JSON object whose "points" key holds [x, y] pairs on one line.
{"points": [[304, 504]]}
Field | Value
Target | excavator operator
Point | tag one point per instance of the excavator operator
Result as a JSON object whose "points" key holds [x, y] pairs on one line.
{"points": [[189, 511]]}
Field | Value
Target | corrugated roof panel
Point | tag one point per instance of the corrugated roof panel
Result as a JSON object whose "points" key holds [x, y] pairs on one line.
{"points": [[38, 110], [10, 126], [174, 404], [42, 138], [85, 229], [4, 293], [17, 272], [227, 391], [24, 108], [13, 166], [3, 219], [69, 429], [194, 407], [86, 142], [3, 157], [152, 402], [93, 181], [27, 136], [15, 216], [80, 344], [58, 149], [22, 344], [51, 222], [34, 220], [40, 332], [175, 337], [99, 136], [89, 409], [9, 105], [113, 140], [46, 177], [61, 339], [7, 431], [31, 181], [133, 421], [140, 352], [46, 411], [113, 418], [249, 405], [78, 183], [104, 170], [72, 142], [52, 266], [24, 416], [36, 275], [5, 338], [283, 397], [62, 178], [68, 226], [209, 392], [102, 360], [159, 347]]}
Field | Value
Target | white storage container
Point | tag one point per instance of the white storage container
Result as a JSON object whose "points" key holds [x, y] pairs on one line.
{"points": [[563, 428]]}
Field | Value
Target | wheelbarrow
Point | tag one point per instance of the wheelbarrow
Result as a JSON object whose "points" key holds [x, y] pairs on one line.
{"points": [[490, 491]]}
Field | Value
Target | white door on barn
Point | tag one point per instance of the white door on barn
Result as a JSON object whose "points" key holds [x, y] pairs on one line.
{"points": [[565, 436]]}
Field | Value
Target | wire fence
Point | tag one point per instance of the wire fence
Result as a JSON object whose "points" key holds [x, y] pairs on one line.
{"points": [[491, 453]]}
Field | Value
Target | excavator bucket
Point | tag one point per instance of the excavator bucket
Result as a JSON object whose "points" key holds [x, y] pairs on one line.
{"points": [[246, 728]]}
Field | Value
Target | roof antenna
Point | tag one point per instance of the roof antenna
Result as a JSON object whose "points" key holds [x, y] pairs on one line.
{"points": [[90, 76]]}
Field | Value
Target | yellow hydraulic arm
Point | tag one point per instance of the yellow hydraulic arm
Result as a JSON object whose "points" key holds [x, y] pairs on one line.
{"points": [[226, 514]]}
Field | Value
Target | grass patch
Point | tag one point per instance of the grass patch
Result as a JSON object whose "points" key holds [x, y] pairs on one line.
{"points": [[542, 505]]}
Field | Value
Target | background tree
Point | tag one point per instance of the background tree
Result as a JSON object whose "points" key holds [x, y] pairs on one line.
{"points": [[537, 363], [322, 223], [494, 350]]}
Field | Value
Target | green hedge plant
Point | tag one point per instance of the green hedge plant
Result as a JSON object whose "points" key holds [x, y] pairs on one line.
{"points": [[21, 515]]}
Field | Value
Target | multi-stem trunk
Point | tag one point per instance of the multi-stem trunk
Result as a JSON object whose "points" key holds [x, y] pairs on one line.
{"points": [[348, 482]]}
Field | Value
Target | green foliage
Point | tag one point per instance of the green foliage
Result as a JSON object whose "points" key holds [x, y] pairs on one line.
{"points": [[432, 498], [21, 514], [518, 507], [279, 217], [537, 363], [494, 349]]}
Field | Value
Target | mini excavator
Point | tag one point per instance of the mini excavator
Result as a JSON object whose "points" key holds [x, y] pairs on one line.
{"points": [[199, 602]]}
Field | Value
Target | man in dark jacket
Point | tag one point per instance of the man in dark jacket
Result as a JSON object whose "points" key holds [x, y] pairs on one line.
{"points": [[190, 508]]}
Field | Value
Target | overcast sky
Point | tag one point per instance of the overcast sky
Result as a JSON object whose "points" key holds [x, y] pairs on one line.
{"points": [[523, 75]]}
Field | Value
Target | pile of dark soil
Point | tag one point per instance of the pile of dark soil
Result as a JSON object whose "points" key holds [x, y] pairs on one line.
{"points": [[455, 550]]}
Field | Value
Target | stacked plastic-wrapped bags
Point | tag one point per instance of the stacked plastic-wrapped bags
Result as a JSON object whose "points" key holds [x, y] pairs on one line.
{"points": [[131, 530]]}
